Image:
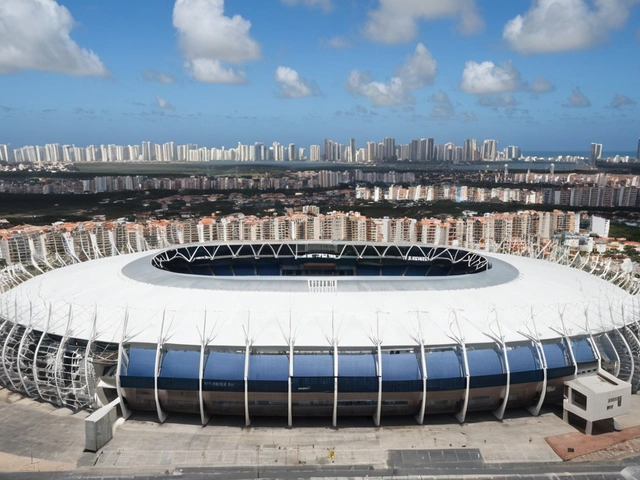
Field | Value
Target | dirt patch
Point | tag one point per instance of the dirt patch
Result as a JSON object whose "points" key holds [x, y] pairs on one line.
{"points": [[570, 446]]}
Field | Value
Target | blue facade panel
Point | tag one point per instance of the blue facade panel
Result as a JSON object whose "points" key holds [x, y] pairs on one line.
{"points": [[312, 384], [271, 368], [357, 365], [357, 373], [582, 351], [141, 369], [309, 365], [268, 373], [444, 371], [180, 370], [401, 372], [524, 364], [556, 354], [401, 366], [224, 371], [485, 368]]}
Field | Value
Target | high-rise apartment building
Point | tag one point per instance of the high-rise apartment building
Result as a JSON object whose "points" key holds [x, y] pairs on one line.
{"points": [[596, 153], [389, 148], [314, 153], [638, 154], [469, 153], [489, 150], [513, 152], [352, 150]]}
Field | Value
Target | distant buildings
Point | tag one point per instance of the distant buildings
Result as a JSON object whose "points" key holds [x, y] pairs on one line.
{"points": [[417, 150], [599, 226], [66, 242]]}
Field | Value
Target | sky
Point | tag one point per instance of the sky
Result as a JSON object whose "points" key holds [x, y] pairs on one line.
{"points": [[542, 74]]}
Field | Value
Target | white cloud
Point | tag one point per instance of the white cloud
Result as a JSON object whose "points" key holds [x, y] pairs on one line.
{"points": [[418, 70], [443, 108], [396, 21], [619, 100], [325, 5], [208, 39], [158, 77], [541, 85], [563, 25], [338, 42], [487, 77], [34, 35], [162, 103], [292, 85], [577, 100], [381, 94]]}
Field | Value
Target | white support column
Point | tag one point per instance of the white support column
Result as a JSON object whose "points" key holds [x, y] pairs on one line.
{"points": [[573, 358], [35, 355], [247, 419], [334, 421], [566, 337], [617, 371], [25, 335], [162, 415], [4, 355], [87, 354], [423, 405], [462, 414], [204, 418], [126, 413], [498, 337], [535, 410], [61, 347], [499, 413], [289, 395], [379, 407]]}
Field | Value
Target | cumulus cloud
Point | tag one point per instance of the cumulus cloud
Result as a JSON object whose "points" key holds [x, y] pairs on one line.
{"points": [[541, 85], [162, 103], [418, 70], [487, 77], [563, 25], [490, 80], [619, 101], [325, 5], [158, 77], [34, 35], [577, 100], [292, 85], [443, 107], [208, 39], [396, 21], [338, 42]]}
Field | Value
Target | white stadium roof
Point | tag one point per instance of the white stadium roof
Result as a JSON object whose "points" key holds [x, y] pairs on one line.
{"points": [[517, 295]]}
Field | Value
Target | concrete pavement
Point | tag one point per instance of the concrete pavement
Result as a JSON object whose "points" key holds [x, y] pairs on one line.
{"points": [[50, 438]]}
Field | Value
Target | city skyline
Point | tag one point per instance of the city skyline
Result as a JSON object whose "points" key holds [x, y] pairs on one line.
{"points": [[388, 149], [214, 72]]}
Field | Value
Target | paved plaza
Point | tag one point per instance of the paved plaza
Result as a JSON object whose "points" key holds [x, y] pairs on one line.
{"points": [[39, 437]]}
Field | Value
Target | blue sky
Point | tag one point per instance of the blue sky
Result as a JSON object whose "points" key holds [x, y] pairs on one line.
{"points": [[542, 74]]}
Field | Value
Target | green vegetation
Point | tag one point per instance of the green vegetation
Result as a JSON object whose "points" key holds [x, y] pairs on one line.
{"points": [[622, 230]]}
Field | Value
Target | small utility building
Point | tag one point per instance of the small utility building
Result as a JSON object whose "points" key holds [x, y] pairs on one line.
{"points": [[595, 398]]}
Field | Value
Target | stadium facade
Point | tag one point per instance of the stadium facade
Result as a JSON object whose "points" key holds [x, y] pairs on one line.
{"points": [[314, 329]]}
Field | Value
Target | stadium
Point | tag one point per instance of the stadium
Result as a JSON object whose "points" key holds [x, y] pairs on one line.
{"points": [[328, 329]]}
